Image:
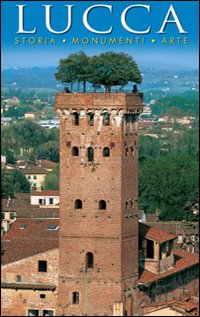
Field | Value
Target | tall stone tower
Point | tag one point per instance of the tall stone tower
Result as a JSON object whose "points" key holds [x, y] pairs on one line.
{"points": [[98, 203]]}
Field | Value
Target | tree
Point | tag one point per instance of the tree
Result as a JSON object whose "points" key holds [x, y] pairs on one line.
{"points": [[13, 181], [113, 69], [108, 69], [52, 179], [48, 151], [73, 68], [168, 183]]}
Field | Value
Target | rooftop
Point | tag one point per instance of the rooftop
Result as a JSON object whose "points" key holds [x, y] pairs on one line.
{"points": [[28, 237], [155, 234], [34, 170], [183, 260], [45, 193]]}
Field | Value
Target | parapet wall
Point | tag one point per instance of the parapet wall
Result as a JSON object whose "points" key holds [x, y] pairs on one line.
{"points": [[126, 103]]}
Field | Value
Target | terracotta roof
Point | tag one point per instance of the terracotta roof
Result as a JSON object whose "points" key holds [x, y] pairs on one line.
{"points": [[47, 163], [27, 237], [158, 235], [34, 170], [183, 260], [175, 227], [45, 193], [47, 287]]}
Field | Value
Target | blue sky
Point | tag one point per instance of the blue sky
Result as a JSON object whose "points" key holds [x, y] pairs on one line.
{"points": [[155, 54]]}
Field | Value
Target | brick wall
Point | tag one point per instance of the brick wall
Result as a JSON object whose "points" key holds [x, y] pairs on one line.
{"points": [[16, 302], [111, 234]]}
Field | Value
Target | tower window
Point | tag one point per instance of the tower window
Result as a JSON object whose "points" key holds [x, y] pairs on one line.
{"points": [[106, 118], [90, 154], [106, 151], [91, 118], [89, 260], [75, 118], [18, 278], [78, 204], [102, 205], [42, 296], [42, 266], [75, 151], [75, 298]]}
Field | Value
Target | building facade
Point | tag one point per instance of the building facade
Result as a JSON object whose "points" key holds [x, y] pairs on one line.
{"points": [[98, 202]]}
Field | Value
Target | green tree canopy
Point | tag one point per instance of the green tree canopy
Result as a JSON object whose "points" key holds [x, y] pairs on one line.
{"points": [[108, 69], [48, 151], [52, 179], [168, 183], [13, 181]]}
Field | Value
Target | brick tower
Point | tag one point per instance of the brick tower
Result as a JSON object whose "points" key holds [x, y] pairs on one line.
{"points": [[98, 203]]}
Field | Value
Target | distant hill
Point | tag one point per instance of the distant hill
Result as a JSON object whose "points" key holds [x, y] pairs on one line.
{"points": [[153, 79]]}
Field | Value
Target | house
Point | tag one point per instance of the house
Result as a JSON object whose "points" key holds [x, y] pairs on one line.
{"points": [[165, 273], [29, 205], [45, 198], [36, 176], [30, 268], [46, 164], [29, 115]]}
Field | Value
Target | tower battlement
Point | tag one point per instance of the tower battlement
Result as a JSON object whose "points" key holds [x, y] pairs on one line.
{"points": [[121, 103]]}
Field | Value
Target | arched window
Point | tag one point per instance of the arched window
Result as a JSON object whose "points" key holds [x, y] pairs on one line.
{"points": [[90, 154], [75, 118], [89, 260], [106, 118], [102, 205], [18, 278], [75, 151], [91, 118], [78, 204], [106, 151]]}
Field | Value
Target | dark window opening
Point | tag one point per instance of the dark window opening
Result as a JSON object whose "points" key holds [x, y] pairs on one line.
{"points": [[91, 118], [75, 298], [102, 205], [48, 313], [2, 215], [150, 249], [33, 312], [18, 278], [42, 296], [12, 215], [106, 118], [90, 154], [106, 151], [78, 204], [42, 201], [42, 266], [75, 151], [89, 260], [50, 201], [75, 118]]}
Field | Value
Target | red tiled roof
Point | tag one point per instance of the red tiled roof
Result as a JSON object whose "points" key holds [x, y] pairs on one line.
{"points": [[159, 235], [34, 170], [47, 163], [33, 239], [45, 193], [183, 260]]}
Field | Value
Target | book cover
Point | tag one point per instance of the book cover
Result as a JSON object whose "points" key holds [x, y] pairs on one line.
{"points": [[99, 158]]}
